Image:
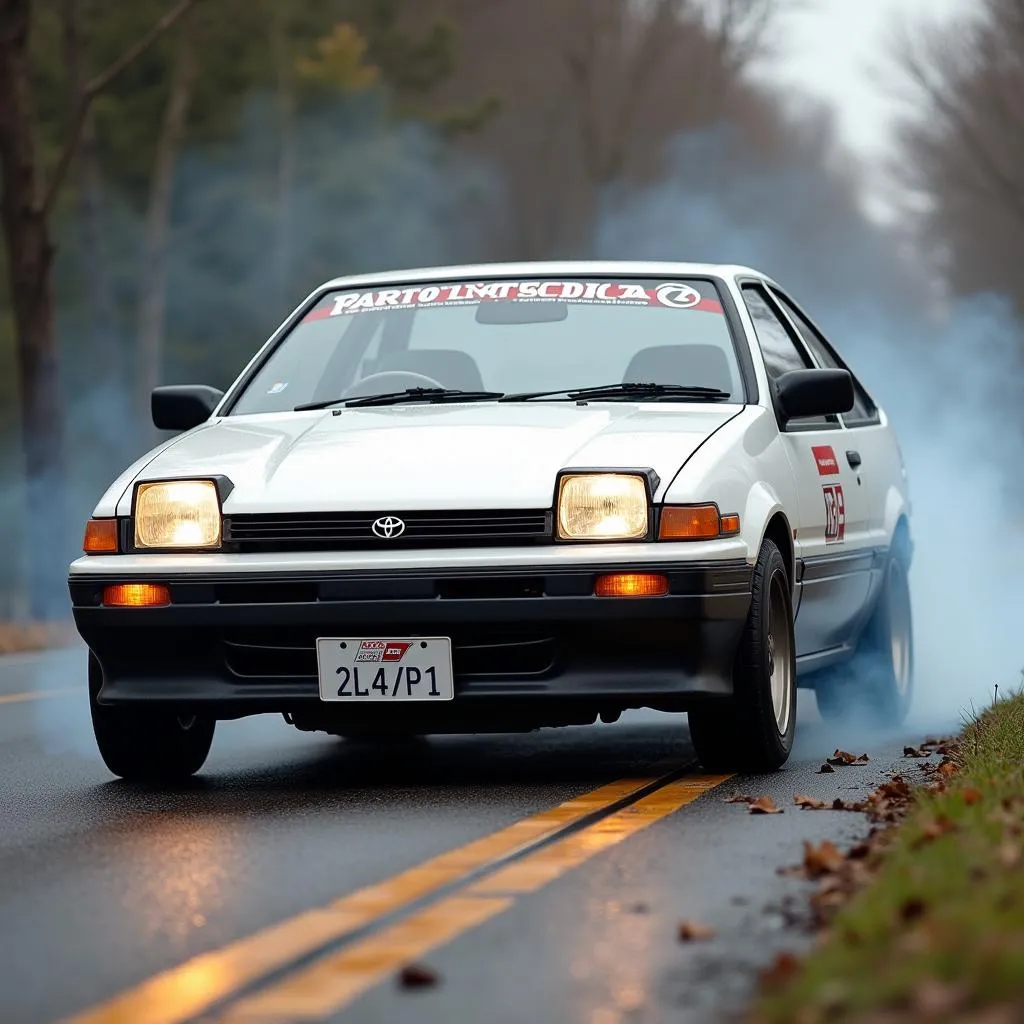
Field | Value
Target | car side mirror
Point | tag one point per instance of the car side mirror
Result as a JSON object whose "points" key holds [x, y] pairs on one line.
{"points": [[815, 393], [183, 406]]}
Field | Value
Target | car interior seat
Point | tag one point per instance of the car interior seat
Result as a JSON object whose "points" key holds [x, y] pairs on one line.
{"points": [[450, 367], [696, 365]]}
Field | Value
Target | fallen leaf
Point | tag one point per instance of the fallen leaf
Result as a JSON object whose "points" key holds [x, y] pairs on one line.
{"points": [[764, 805], [825, 769], [739, 798], [841, 757], [915, 752], [1009, 854], [782, 969], [972, 795], [936, 828], [846, 805], [948, 769], [693, 931], [417, 976], [822, 859], [809, 803], [933, 998], [859, 852], [913, 909]]}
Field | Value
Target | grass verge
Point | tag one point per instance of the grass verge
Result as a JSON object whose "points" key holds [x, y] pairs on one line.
{"points": [[19, 637], [937, 931]]}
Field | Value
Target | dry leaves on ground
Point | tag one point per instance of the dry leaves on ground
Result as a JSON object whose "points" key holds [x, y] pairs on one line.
{"points": [[756, 805], [842, 758], [418, 976], [825, 769], [780, 971], [809, 803], [764, 805], [694, 931]]}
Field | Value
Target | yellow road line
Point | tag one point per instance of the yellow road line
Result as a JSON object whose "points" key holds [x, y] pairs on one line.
{"points": [[18, 698], [185, 991], [334, 981]]}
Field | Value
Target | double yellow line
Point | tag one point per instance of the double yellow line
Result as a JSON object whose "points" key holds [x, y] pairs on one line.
{"points": [[313, 965]]}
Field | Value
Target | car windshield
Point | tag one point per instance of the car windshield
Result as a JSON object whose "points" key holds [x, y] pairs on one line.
{"points": [[502, 336]]}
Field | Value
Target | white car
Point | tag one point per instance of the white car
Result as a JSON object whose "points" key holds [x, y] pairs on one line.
{"points": [[501, 497]]}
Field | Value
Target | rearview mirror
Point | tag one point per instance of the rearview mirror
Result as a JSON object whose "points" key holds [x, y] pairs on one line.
{"points": [[815, 393], [518, 311], [183, 406]]}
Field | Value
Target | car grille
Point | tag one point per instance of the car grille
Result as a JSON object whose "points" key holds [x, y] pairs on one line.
{"points": [[331, 531]]}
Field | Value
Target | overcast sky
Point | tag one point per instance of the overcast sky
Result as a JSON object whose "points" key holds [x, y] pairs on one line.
{"points": [[833, 49]]}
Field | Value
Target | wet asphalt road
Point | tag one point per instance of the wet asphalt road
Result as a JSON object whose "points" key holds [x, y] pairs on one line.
{"points": [[103, 885]]}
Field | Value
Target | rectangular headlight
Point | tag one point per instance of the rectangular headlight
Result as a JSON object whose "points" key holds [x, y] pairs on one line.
{"points": [[602, 506], [177, 514]]}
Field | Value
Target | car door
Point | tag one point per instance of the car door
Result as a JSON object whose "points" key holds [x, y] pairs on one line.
{"points": [[831, 536], [871, 446]]}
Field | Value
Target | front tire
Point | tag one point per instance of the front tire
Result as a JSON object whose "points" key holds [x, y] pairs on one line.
{"points": [[151, 746], [754, 731], [877, 685]]}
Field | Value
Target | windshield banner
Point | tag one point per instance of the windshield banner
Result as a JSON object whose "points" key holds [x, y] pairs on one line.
{"points": [[669, 295]]}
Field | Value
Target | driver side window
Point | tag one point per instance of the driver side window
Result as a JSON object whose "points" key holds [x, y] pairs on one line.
{"points": [[781, 350]]}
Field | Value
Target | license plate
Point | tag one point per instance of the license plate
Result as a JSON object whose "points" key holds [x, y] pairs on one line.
{"points": [[361, 669]]}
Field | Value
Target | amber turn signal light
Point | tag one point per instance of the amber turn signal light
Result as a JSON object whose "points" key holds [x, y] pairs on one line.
{"points": [[100, 537], [696, 522], [631, 584], [136, 595]]}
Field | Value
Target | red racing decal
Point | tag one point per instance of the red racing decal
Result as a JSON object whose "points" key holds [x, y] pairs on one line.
{"points": [[381, 650], [835, 514], [825, 459], [670, 295]]}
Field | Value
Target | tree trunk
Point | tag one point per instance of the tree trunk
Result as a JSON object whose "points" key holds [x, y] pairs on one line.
{"points": [[105, 348], [285, 159], [30, 252], [153, 280]]}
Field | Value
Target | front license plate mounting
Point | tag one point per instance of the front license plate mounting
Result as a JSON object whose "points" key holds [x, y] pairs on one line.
{"points": [[365, 669]]}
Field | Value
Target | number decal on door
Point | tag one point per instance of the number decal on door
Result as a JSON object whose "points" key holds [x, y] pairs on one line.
{"points": [[835, 514]]}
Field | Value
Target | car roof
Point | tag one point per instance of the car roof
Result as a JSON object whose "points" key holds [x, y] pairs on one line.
{"points": [[551, 268]]}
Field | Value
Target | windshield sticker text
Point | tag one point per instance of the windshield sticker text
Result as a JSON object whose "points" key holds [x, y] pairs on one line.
{"points": [[671, 295]]}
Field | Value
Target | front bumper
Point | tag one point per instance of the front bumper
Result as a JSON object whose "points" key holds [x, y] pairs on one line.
{"points": [[523, 637]]}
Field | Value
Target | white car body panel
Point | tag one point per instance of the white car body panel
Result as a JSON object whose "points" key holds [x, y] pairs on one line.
{"points": [[410, 457], [507, 456]]}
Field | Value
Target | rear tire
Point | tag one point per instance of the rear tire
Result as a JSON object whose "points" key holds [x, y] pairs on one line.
{"points": [[877, 685], [754, 731], [142, 745]]}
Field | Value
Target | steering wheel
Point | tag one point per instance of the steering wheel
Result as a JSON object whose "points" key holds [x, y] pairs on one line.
{"points": [[390, 380]]}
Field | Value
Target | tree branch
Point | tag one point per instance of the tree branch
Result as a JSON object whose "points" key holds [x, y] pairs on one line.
{"points": [[95, 86]]}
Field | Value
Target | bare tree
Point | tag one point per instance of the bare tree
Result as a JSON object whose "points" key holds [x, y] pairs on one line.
{"points": [[962, 146], [26, 203], [153, 279], [95, 266], [608, 83]]}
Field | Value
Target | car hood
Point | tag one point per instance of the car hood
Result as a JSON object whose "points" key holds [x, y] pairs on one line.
{"points": [[410, 457]]}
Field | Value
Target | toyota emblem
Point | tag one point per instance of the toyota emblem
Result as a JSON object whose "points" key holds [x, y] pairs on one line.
{"points": [[388, 527]]}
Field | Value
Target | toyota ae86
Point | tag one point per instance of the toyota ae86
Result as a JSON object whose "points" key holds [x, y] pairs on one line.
{"points": [[503, 497]]}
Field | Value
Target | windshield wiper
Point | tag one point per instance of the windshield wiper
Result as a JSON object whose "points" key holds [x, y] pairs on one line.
{"points": [[680, 392], [408, 395]]}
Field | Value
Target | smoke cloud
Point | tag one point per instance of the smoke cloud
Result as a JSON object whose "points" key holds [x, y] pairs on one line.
{"points": [[947, 374]]}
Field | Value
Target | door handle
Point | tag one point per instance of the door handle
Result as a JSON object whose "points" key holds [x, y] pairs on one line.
{"points": [[853, 458]]}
